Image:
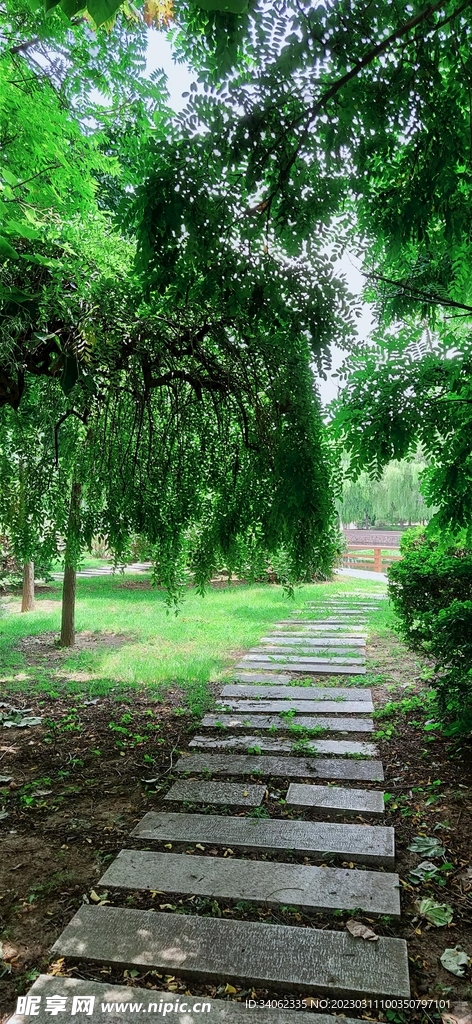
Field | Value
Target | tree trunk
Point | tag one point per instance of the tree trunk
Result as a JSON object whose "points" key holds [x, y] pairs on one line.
{"points": [[27, 598], [68, 608], [72, 553]]}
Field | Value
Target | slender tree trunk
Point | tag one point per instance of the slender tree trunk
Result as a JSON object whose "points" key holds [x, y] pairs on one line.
{"points": [[27, 598], [68, 608], [70, 567]]}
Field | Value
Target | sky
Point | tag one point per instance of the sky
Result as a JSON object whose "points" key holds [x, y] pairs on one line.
{"points": [[159, 55]]}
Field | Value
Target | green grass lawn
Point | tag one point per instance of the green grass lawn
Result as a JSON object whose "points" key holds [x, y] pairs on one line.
{"points": [[158, 649], [87, 561]]}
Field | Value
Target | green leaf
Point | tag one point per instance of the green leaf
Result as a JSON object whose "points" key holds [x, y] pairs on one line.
{"points": [[7, 250], [232, 6], [9, 177], [423, 871], [70, 374], [72, 7], [455, 961], [101, 10], [19, 229], [439, 914], [428, 845]]}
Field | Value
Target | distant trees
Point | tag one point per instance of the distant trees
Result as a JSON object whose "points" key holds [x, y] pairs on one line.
{"points": [[393, 500]]}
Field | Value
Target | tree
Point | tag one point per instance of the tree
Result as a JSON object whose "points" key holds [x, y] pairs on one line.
{"points": [[206, 346], [394, 499]]}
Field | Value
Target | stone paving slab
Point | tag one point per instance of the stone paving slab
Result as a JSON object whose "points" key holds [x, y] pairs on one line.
{"points": [[296, 693], [347, 629], [277, 721], [336, 799], [356, 596], [364, 844], [230, 794], [262, 677], [343, 620], [335, 748], [306, 665], [282, 767], [313, 657], [299, 707], [344, 603], [298, 639], [270, 883], [296, 959], [217, 1011], [344, 611]]}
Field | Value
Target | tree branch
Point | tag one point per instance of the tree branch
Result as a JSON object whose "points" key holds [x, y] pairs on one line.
{"points": [[418, 293], [24, 46], [312, 112]]}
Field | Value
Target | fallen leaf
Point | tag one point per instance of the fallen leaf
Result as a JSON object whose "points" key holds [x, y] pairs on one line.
{"points": [[198, 846], [460, 1013], [56, 967], [438, 914], [361, 931], [428, 845], [423, 871], [230, 990], [465, 878], [455, 961]]}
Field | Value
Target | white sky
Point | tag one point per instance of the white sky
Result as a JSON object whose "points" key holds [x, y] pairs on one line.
{"points": [[159, 55]]}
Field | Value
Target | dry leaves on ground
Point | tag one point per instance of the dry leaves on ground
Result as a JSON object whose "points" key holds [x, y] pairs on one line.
{"points": [[361, 931]]}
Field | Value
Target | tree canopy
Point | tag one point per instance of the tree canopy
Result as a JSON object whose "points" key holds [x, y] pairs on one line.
{"points": [[394, 499], [170, 278]]}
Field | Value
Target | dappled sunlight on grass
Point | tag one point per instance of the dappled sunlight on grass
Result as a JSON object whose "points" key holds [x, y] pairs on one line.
{"points": [[141, 644]]}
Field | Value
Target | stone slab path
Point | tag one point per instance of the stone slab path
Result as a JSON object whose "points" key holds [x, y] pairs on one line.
{"points": [[279, 723], [208, 948], [282, 767], [271, 884], [336, 800], [227, 793], [299, 707], [298, 640], [365, 844], [328, 656], [231, 856], [112, 1003], [297, 664], [315, 626], [295, 693], [262, 744]]}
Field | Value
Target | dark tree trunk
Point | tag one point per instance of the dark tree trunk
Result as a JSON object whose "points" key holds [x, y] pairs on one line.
{"points": [[27, 597], [68, 608], [70, 566]]}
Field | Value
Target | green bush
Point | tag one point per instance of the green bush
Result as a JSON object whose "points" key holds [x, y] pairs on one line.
{"points": [[431, 591]]}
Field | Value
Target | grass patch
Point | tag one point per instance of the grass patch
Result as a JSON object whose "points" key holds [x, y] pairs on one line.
{"points": [[128, 640]]}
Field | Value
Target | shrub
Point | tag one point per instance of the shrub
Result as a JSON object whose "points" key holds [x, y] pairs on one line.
{"points": [[431, 591]]}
